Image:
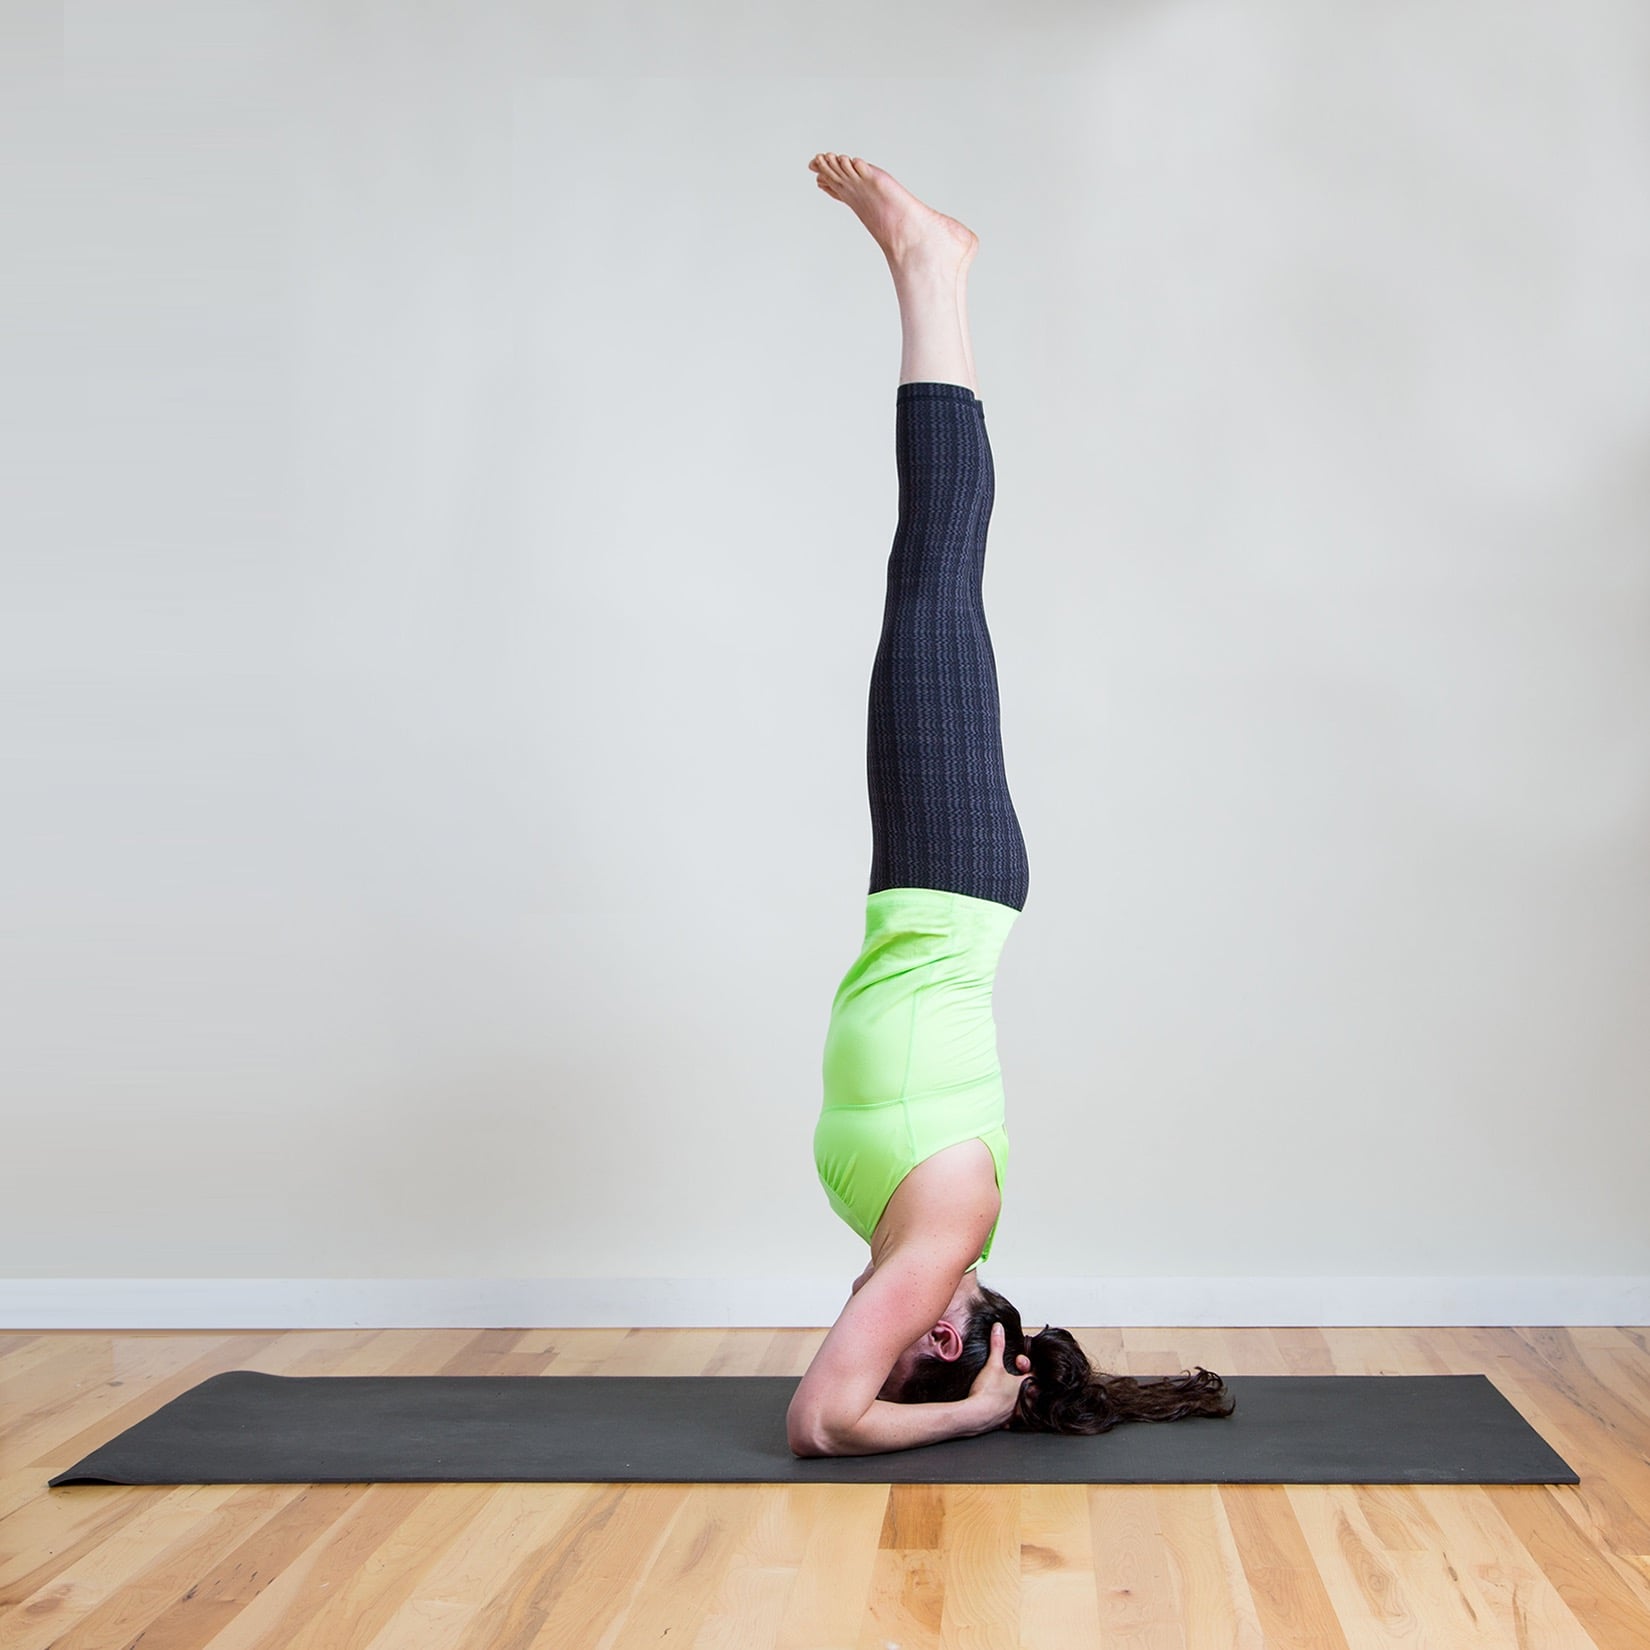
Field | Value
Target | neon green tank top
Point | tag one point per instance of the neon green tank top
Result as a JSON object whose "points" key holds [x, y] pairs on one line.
{"points": [[910, 1063]]}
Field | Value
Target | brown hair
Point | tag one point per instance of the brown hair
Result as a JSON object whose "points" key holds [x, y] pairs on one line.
{"points": [[1065, 1393]]}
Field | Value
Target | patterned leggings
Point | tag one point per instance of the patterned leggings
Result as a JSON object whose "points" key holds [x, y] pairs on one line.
{"points": [[940, 810]]}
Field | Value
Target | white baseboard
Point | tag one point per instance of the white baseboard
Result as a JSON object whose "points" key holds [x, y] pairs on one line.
{"points": [[607, 1303]]}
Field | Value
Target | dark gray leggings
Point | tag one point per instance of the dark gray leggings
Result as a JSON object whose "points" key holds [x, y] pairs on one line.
{"points": [[941, 816]]}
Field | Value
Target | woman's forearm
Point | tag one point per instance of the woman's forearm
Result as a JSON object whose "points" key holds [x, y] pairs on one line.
{"points": [[886, 1426]]}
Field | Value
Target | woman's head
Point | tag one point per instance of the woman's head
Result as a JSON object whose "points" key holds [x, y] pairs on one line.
{"points": [[1065, 1393], [946, 1375], [945, 1343]]}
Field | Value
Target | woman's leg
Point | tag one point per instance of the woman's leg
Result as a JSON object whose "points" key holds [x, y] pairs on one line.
{"points": [[941, 815]]}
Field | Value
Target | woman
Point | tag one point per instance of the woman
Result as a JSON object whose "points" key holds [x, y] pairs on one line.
{"points": [[910, 1145]]}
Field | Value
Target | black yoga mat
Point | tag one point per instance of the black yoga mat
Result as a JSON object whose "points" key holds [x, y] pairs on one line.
{"points": [[244, 1427]]}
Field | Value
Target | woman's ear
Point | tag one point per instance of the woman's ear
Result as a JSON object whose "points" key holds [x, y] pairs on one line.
{"points": [[948, 1341]]}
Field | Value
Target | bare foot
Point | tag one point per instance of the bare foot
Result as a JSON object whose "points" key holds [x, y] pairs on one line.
{"points": [[908, 232]]}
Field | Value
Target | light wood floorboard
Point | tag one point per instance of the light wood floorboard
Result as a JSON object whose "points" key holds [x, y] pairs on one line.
{"points": [[820, 1567]]}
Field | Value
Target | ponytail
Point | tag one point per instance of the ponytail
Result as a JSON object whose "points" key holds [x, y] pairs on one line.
{"points": [[1066, 1393]]}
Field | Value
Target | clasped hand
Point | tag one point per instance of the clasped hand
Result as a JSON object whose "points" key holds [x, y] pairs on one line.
{"points": [[996, 1389]]}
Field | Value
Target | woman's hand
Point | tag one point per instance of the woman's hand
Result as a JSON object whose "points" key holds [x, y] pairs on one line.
{"points": [[996, 1390]]}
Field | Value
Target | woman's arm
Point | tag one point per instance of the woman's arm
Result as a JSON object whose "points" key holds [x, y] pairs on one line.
{"points": [[886, 1426], [990, 1402], [900, 1301]]}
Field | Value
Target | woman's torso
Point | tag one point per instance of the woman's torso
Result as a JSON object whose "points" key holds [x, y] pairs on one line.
{"points": [[910, 1062]]}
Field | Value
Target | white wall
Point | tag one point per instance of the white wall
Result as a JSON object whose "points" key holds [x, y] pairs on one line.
{"points": [[451, 478]]}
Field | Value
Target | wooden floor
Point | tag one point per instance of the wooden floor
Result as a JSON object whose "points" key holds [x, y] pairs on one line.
{"points": [[812, 1567]]}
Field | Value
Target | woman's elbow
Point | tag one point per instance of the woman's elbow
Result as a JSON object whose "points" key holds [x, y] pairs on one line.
{"points": [[808, 1436], [805, 1444]]}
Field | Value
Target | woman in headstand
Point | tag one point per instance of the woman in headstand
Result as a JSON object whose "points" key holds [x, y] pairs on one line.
{"points": [[910, 1144]]}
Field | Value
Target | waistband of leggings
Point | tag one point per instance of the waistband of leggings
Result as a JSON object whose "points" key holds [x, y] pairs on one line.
{"points": [[934, 390]]}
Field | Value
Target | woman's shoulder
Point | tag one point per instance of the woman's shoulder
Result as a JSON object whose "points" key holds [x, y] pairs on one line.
{"points": [[950, 1197]]}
